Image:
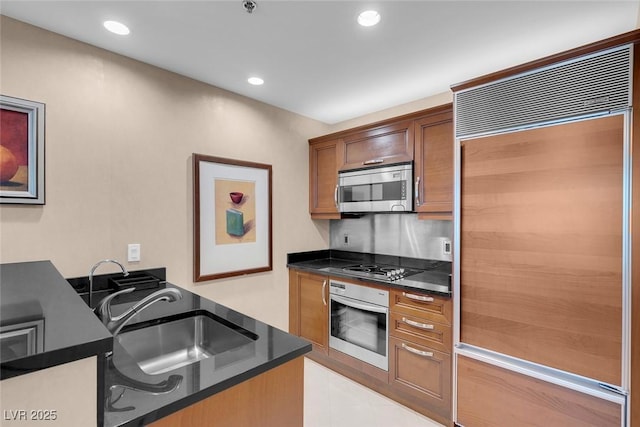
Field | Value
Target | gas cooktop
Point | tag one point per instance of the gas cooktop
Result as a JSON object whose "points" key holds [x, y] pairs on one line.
{"points": [[379, 272]]}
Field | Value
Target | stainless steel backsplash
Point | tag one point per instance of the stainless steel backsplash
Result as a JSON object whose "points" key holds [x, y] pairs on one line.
{"points": [[392, 234]]}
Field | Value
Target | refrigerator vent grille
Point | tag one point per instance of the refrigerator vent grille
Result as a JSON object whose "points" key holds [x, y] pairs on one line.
{"points": [[586, 85]]}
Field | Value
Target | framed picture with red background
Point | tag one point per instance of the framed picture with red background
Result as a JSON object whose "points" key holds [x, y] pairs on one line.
{"points": [[21, 151]]}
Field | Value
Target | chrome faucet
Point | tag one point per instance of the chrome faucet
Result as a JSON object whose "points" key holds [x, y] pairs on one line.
{"points": [[114, 324], [93, 269]]}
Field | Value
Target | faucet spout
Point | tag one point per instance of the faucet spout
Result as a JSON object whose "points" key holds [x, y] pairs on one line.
{"points": [[93, 270], [115, 324]]}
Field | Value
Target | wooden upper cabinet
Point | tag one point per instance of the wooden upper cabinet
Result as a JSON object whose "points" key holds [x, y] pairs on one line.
{"points": [[433, 168], [324, 159], [392, 143]]}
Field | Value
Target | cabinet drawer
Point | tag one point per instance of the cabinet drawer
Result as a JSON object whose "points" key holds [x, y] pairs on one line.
{"points": [[429, 307], [421, 331], [422, 373]]}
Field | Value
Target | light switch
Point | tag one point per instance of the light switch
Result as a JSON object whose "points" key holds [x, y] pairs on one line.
{"points": [[133, 252]]}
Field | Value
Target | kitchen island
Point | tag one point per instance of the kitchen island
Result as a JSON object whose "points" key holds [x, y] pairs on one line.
{"points": [[230, 388]]}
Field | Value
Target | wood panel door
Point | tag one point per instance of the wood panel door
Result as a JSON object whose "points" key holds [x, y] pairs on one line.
{"points": [[384, 145], [489, 396], [324, 159], [434, 165], [541, 245], [308, 295]]}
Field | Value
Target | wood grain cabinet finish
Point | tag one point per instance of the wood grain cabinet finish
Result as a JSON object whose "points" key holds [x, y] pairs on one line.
{"points": [[429, 307], [389, 144], [274, 398], [424, 374], [541, 246], [489, 396], [433, 168], [308, 309], [420, 347], [325, 157], [421, 331]]}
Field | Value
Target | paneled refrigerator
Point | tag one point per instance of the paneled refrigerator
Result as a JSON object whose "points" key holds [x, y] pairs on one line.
{"points": [[542, 262]]}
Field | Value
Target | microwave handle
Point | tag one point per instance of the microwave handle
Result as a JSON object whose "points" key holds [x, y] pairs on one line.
{"points": [[417, 191], [373, 162], [335, 197], [359, 305]]}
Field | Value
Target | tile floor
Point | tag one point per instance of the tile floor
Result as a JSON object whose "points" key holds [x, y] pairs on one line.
{"points": [[331, 400]]}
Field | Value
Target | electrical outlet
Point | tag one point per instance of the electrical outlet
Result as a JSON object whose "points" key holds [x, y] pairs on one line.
{"points": [[446, 247], [133, 252], [345, 240]]}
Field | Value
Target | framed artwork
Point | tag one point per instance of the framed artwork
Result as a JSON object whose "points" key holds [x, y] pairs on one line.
{"points": [[21, 151], [231, 218]]}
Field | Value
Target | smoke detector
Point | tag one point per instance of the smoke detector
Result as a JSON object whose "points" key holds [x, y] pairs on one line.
{"points": [[249, 5]]}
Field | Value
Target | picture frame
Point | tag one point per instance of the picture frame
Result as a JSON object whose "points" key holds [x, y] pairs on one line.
{"points": [[232, 222], [22, 154]]}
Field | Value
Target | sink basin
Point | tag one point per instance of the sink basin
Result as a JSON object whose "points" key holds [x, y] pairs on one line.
{"points": [[171, 343]]}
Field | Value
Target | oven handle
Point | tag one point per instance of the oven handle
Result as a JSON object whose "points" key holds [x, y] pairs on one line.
{"points": [[362, 306]]}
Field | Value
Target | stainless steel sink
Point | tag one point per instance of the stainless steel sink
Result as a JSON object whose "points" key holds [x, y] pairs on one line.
{"points": [[176, 342]]}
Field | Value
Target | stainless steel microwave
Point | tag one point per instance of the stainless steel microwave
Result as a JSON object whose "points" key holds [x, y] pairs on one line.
{"points": [[379, 189]]}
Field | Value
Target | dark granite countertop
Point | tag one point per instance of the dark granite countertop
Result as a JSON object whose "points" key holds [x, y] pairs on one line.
{"points": [[136, 398], [34, 294], [434, 276]]}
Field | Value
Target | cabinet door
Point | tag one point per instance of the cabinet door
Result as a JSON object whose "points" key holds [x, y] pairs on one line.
{"points": [[324, 159], [422, 373], [379, 146], [541, 246], [434, 165], [489, 396], [309, 292]]}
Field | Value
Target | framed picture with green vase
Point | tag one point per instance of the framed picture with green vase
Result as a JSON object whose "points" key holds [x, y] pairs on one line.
{"points": [[232, 217]]}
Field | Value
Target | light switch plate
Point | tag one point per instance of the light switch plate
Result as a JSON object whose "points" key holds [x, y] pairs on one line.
{"points": [[133, 252]]}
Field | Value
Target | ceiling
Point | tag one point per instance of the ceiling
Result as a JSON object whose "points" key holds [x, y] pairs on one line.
{"points": [[316, 60]]}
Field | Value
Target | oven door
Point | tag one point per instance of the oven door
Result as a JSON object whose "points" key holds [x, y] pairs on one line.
{"points": [[360, 330]]}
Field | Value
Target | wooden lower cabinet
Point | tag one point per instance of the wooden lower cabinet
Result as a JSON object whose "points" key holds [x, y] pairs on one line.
{"points": [[274, 398], [420, 352], [308, 309], [423, 374], [420, 367], [489, 396]]}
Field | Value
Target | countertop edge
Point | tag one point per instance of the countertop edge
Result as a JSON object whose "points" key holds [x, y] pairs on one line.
{"points": [[17, 367]]}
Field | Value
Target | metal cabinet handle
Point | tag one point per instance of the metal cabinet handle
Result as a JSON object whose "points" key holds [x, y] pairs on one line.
{"points": [[324, 287], [416, 351], [418, 325], [417, 191], [335, 197], [420, 298], [373, 162]]}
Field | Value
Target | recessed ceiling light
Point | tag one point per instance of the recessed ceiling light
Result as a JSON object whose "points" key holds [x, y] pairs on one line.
{"points": [[116, 27], [368, 18], [256, 81]]}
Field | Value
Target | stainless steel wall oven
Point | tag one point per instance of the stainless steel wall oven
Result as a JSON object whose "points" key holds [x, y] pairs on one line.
{"points": [[359, 322]]}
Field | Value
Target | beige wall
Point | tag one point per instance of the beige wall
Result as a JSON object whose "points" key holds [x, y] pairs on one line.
{"points": [[119, 139]]}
